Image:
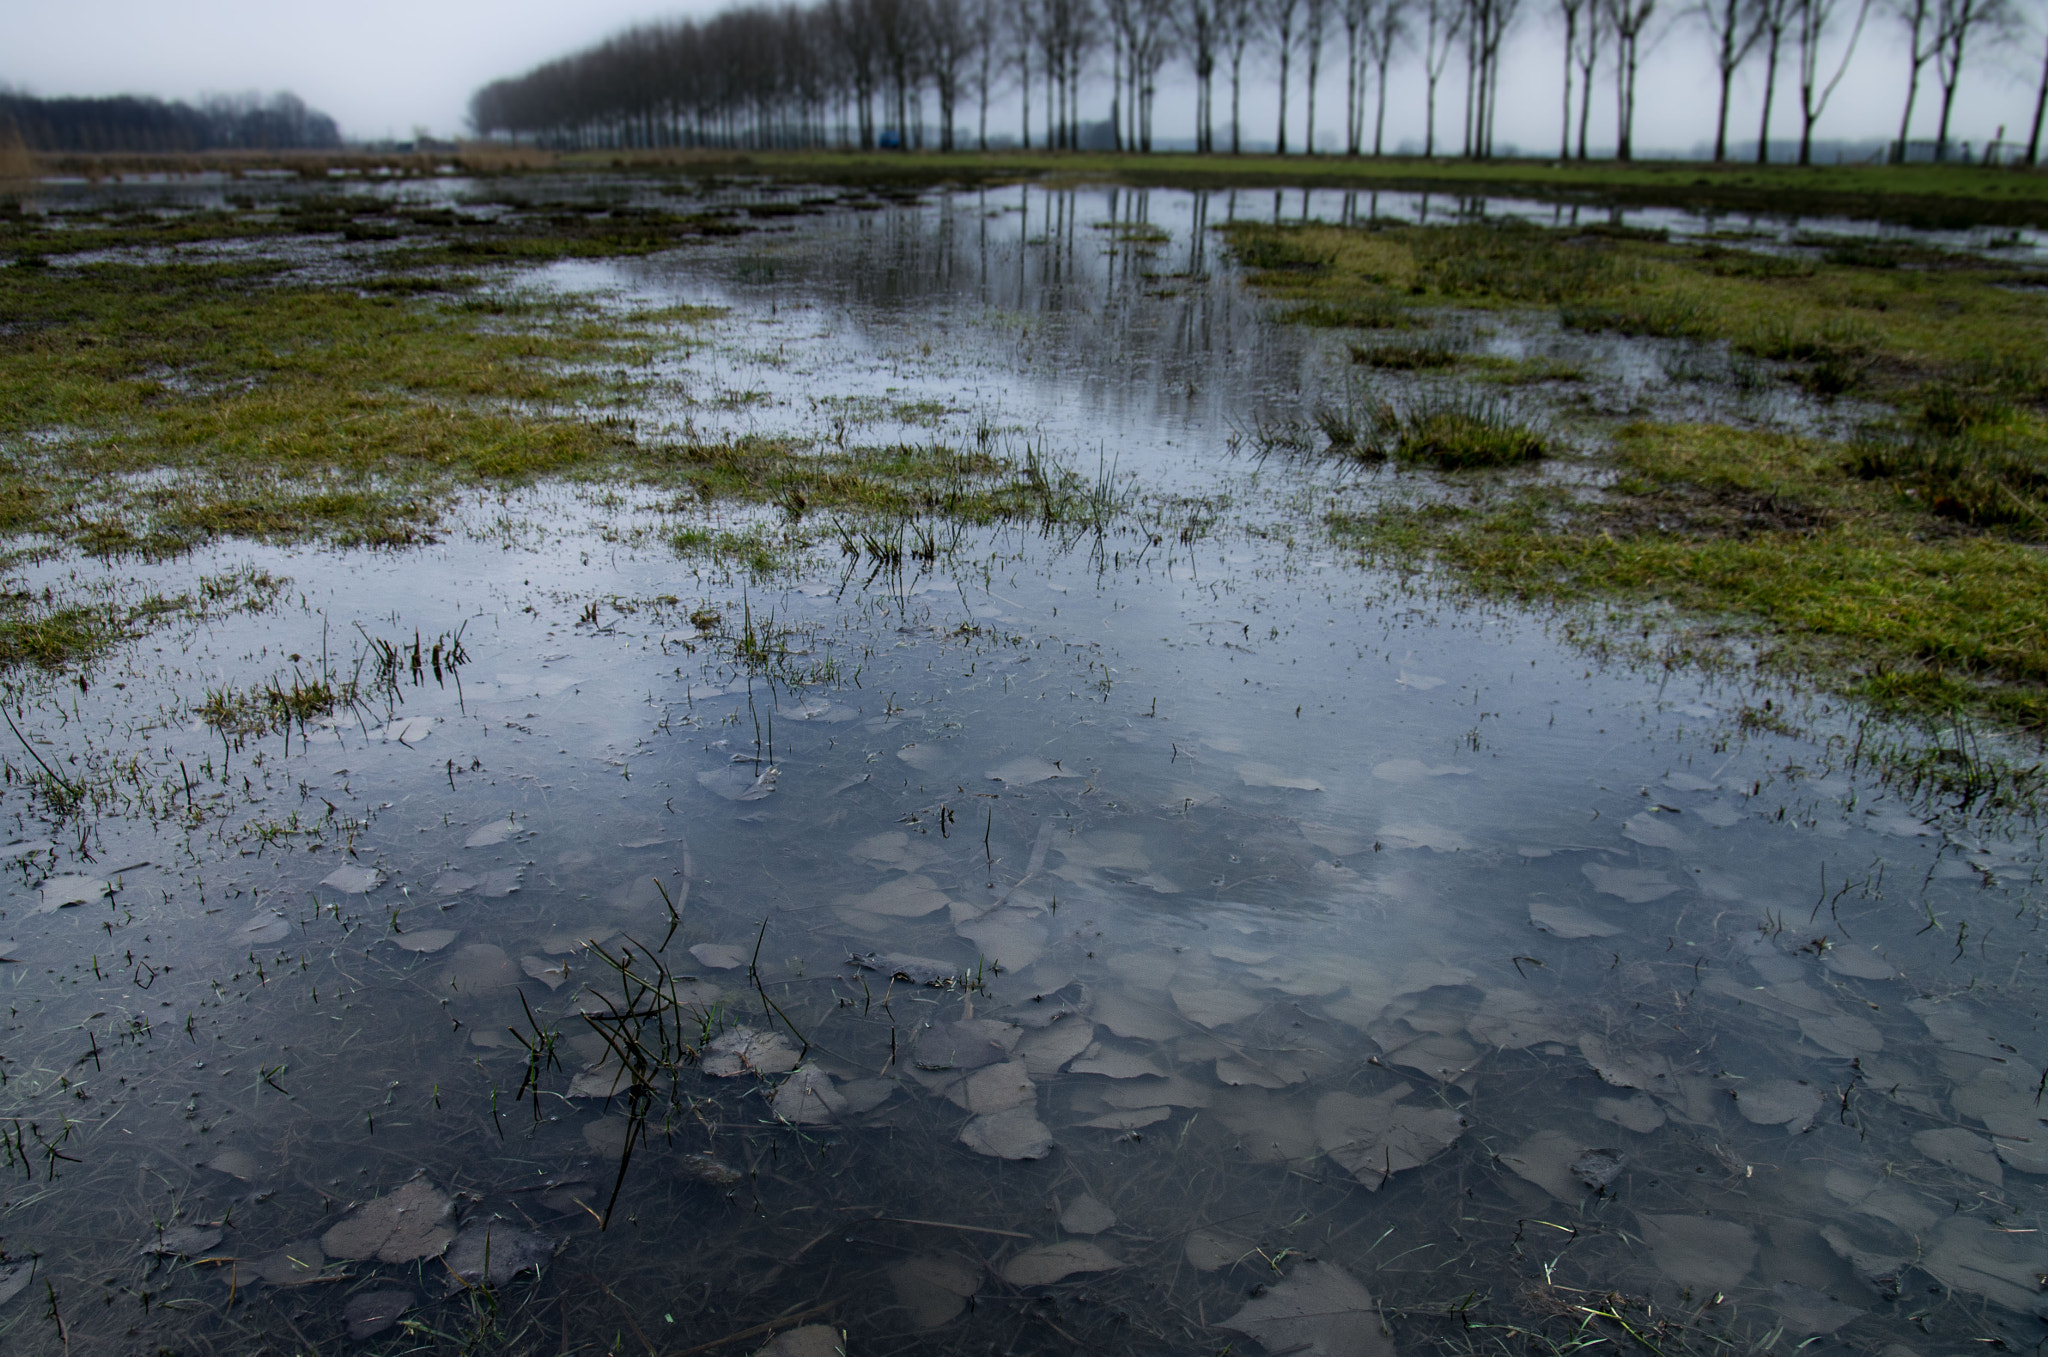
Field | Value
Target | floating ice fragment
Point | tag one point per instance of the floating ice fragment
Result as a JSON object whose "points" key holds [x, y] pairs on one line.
{"points": [[808, 1098], [809, 1340], [1654, 831], [370, 1313], [1320, 1310], [1015, 1134], [745, 1051], [968, 1044], [407, 1223], [1418, 834], [1807, 1311], [491, 832], [1566, 921], [353, 879], [60, 891], [1963, 1151], [1210, 1250], [934, 1287], [1697, 1251], [407, 732], [1632, 884], [182, 1241], [1023, 772], [1415, 770], [1377, 1136], [492, 1253], [266, 927], [1085, 1215], [1266, 775], [1051, 1263], [1778, 1102], [553, 974]]}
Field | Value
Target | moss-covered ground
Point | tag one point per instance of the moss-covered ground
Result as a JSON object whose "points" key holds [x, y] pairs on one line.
{"points": [[160, 391], [1903, 564]]}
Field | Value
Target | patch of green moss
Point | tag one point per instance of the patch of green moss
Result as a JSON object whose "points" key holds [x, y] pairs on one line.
{"points": [[1842, 578]]}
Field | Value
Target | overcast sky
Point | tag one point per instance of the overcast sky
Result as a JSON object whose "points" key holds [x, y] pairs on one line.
{"points": [[384, 67]]}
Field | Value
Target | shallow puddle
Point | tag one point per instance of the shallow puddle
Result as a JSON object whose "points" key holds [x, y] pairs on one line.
{"points": [[1153, 939]]}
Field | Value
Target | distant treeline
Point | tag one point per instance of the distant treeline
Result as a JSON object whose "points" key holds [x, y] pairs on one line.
{"points": [[133, 123], [860, 72]]}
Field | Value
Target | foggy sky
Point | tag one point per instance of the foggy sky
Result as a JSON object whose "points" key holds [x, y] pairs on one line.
{"points": [[382, 68]]}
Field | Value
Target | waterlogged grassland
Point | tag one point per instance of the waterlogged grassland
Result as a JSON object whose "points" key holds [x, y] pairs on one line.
{"points": [[147, 408], [155, 398], [1858, 315], [1903, 565], [1762, 534]]}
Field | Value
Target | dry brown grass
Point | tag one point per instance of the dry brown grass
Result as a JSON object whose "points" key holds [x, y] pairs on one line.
{"points": [[492, 157], [17, 164]]}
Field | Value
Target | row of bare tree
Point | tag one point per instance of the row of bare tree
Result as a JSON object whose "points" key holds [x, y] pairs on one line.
{"points": [[860, 72]]}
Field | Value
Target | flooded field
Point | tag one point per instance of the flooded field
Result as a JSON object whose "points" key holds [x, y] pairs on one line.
{"points": [[1133, 928]]}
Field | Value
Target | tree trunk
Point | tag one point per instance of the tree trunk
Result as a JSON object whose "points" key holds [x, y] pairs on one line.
{"points": [[1727, 79], [1624, 63], [1351, 123], [1763, 135], [1236, 64], [1286, 51], [2040, 107], [1429, 122], [1308, 136], [1912, 78], [1116, 89], [1379, 125], [1571, 29]]}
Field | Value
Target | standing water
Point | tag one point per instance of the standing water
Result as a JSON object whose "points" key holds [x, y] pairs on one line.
{"points": [[1147, 933]]}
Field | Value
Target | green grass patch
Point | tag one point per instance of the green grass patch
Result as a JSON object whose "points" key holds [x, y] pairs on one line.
{"points": [[1840, 326], [1766, 534], [1451, 431]]}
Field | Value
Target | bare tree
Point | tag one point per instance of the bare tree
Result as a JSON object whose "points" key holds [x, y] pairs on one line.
{"points": [[1629, 19], [1156, 45], [1569, 11], [1387, 31], [1489, 24], [1815, 18], [1120, 17], [1024, 24], [1446, 20], [1733, 26], [1357, 16], [1315, 16], [1773, 17], [2040, 107], [1588, 62], [985, 33], [855, 37], [946, 47], [1959, 21], [899, 26], [1281, 16], [1196, 23], [1238, 20], [1920, 45]]}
